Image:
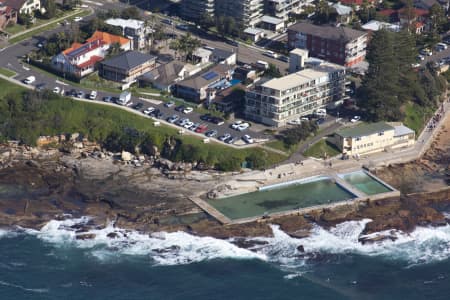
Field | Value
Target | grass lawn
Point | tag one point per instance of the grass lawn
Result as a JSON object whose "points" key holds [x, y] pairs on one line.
{"points": [[321, 148], [415, 117], [7, 72], [7, 87], [32, 33], [98, 120], [280, 145], [51, 24]]}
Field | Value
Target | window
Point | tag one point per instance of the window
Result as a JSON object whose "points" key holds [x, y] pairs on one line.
{"points": [[358, 138]]}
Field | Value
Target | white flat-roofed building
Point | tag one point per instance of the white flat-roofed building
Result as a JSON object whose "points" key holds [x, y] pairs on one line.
{"points": [[277, 101], [282, 8], [272, 23], [133, 29]]}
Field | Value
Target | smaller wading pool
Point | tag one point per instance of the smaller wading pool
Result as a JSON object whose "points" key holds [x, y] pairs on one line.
{"points": [[365, 183], [285, 197]]}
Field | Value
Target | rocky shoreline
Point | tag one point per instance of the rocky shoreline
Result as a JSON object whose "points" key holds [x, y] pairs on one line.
{"points": [[150, 194]]}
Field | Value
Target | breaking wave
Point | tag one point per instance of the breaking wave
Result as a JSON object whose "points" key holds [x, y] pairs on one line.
{"points": [[163, 248], [424, 245]]}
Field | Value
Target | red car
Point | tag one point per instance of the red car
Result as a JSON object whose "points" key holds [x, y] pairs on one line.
{"points": [[201, 129]]}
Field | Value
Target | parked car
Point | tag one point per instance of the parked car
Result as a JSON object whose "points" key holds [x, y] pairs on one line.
{"points": [[183, 27], [188, 110], [56, 90], [172, 119], [441, 46], [77, 19], [320, 121], [40, 87], [206, 117], [93, 95], [108, 99], [169, 104], [224, 137], [188, 124], [194, 126], [167, 21], [148, 110], [270, 54], [211, 133], [236, 124], [230, 140], [415, 65], [217, 120], [138, 106], [426, 52], [182, 122], [180, 108], [355, 119], [202, 128], [243, 126], [29, 80], [80, 94], [294, 122], [447, 40], [420, 57], [248, 139], [284, 58]]}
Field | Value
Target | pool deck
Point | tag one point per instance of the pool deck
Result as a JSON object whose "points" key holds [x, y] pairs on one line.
{"points": [[359, 197]]}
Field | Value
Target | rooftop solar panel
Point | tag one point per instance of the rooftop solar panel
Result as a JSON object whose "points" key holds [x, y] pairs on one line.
{"points": [[210, 75]]}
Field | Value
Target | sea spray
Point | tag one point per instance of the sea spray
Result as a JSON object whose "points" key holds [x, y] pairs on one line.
{"points": [[423, 245], [163, 248]]}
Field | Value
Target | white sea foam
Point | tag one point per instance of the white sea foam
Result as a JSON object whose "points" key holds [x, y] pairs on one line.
{"points": [[423, 245], [164, 248], [39, 290]]}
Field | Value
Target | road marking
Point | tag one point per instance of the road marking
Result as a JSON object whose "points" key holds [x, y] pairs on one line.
{"points": [[61, 82], [25, 68]]}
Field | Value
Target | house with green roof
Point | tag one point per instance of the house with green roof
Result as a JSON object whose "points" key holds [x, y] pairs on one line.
{"points": [[368, 138]]}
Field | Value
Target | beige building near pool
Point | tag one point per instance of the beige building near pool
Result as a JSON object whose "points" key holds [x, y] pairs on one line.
{"points": [[373, 137]]}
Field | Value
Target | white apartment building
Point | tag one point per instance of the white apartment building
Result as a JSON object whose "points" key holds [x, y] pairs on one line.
{"points": [[282, 8], [246, 12], [280, 100]]}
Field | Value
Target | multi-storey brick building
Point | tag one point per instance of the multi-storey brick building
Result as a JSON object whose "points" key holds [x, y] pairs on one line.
{"points": [[340, 45], [280, 100]]}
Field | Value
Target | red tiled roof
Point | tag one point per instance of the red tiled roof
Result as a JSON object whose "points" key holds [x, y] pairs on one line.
{"points": [[417, 11], [387, 12], [94, 59], [108, 38]]}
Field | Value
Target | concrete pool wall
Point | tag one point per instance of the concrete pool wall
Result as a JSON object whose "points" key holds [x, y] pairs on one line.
{"points": [[349, 195]]}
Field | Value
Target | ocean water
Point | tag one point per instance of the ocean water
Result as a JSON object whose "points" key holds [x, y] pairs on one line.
{"points": [[52, 264]]}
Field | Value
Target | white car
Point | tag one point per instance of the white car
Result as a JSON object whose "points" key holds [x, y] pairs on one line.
{"points": [[271, 54], [188, 124], [236, 124], [248, 139], [77, 19], [56, 90], [188, 110], [355, 119], [149, 110], [294, 122], [29, 80], [93, 95], [243, 126]]}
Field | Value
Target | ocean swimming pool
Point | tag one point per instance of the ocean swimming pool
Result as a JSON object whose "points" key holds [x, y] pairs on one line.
{"points": [[278, 198]]}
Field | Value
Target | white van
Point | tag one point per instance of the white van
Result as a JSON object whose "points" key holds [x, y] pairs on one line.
{"points": [[124, 98], [29, 80], [262, 64], [321, 113]]}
